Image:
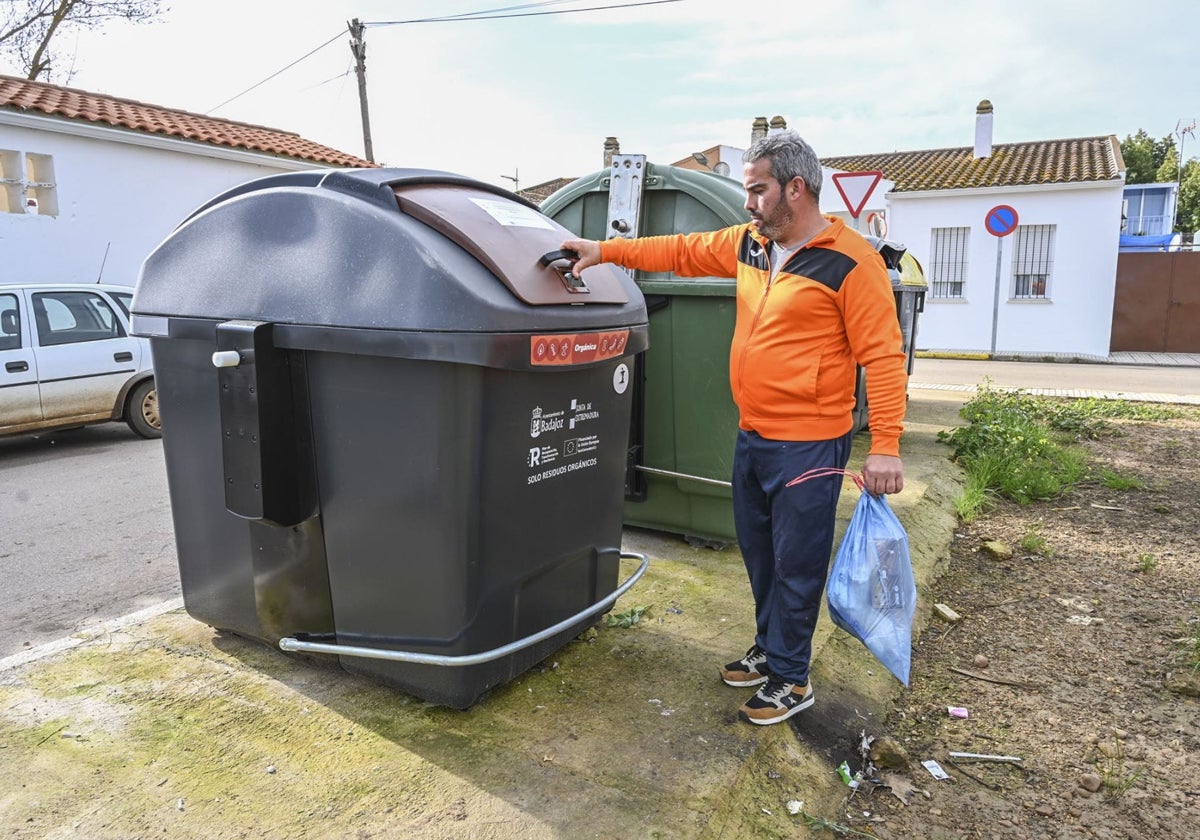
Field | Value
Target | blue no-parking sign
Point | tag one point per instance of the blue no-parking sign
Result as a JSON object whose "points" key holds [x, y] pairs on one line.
{"points": [[1001, 220]]}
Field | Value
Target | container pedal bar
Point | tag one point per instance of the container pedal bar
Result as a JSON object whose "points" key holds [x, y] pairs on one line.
{"points": [[290, 643], [716, 482]]}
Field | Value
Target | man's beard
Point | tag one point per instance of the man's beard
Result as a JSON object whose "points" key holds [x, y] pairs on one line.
{"points": [[775, 224]]}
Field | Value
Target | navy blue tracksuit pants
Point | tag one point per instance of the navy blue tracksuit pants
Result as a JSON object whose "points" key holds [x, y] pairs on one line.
{"points": [[786, 538]]}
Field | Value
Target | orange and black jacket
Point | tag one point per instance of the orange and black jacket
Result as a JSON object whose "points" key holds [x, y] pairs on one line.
{"points": [[797, 338]]}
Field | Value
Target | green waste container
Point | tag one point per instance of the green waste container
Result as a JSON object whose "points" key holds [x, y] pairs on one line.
{"points": [[685, 422]]}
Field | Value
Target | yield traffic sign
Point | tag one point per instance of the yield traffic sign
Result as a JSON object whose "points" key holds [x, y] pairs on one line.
{"points": [[856, 187]]}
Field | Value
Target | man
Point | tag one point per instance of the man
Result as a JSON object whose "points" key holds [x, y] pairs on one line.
{"points": [[813, 298]]}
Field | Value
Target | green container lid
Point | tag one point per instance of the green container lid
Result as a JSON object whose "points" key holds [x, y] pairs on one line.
{"points": [[674, 200]]}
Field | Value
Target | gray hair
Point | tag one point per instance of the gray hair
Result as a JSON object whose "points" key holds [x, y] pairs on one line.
{"points": [[790, 156]]}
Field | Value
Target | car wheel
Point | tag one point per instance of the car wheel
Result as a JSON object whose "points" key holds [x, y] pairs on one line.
{"points": [[141, 411]]}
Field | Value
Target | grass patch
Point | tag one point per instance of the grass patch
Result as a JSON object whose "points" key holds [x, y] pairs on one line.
{"points": [[1191, 648], [1115, 776], [1034, 542], [1022, 447], [1118, 481], [1147, 562]]}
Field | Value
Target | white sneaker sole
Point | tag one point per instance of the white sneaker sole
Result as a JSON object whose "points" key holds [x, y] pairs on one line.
{"points": [[799, 707], [747, 684]]}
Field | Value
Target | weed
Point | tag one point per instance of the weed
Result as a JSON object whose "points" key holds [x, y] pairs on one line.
{"points": [[1147, 562], [837, 828], [1116, 481], [1191, 648], [1033, 541], [974, 499], [626, 619], [1110, 764], [1020, 446]]}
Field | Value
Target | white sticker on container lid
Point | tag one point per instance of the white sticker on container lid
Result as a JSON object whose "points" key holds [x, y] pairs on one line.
{"points": [[511, 214]]}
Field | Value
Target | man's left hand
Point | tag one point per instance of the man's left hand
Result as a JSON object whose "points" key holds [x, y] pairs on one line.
{"points": [[883, 474]]}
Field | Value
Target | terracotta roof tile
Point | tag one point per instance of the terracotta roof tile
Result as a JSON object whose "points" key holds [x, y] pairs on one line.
{"points": [[23, 95], [1010, 164], [540, 192]]}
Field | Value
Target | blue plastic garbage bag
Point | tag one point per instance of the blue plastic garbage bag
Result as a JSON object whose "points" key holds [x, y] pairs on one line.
{"points": [[871, 591]]}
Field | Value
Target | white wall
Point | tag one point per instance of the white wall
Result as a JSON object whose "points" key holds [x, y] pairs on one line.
{"points": [[1077, 318], [111, 195]]}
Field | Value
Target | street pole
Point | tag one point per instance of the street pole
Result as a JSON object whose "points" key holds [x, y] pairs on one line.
{"points": [[1183, 129], [358, 47], [996, 294]]}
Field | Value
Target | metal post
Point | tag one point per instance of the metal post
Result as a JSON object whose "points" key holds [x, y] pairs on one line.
{"points": [[358, 47], [996, 296]]}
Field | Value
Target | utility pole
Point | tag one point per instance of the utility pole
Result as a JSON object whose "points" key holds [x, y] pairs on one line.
{"points": [[515, 178], [358, 47], [1183, 128]]}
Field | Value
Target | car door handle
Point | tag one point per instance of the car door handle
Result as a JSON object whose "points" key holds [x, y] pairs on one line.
{"points": [[123, 357], [16, 367]]}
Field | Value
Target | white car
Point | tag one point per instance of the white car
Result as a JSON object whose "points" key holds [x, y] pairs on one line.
{"points": [[69, 360]]}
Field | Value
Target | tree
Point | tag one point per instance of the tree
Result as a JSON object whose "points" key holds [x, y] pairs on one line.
{"points": [[1149, 161], [1187, 215], [1144, 156], [27, 27]]}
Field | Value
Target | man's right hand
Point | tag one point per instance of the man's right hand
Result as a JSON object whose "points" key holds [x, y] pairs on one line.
{"points": [[588, 250]]}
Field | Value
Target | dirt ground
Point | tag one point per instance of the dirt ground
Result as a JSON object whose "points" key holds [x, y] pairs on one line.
{"points": [[1070, 655]]}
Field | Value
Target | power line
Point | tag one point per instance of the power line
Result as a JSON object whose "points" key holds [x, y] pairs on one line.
{"points": [[488, 15], [276, 73], [483, 14]]}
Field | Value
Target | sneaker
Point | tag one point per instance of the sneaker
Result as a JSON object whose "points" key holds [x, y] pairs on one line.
{"points": [[776, 701], [750, 670]]}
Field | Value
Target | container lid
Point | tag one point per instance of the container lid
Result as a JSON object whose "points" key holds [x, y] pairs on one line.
{"points": [[503, 234], [381, 249]]}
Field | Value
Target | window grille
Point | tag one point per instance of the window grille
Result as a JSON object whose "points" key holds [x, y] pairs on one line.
{"points": [[948, 262], [1033, 262], [27, 183]]}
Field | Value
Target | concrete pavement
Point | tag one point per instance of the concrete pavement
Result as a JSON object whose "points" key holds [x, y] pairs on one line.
{"points": [[159, 724]]}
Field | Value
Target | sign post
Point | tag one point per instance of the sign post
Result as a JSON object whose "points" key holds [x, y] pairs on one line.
{"points": [[1000, 221], [855, 188]]}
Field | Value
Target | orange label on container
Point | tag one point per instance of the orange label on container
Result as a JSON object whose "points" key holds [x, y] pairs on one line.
{"points": [[576, 349]]}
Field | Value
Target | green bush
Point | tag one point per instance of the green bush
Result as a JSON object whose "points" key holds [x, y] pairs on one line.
{"points": [[1020, 446]]}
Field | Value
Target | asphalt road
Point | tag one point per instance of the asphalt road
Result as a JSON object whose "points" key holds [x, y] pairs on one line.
{"points": [[85, 521], [1124, 379], [85, 532]]}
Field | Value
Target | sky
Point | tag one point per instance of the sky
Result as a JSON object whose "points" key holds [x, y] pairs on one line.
{"points": [[533, 98]]}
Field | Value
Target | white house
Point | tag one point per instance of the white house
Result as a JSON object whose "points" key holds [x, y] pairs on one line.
{"points": [[1048, 283], [90, 184]]}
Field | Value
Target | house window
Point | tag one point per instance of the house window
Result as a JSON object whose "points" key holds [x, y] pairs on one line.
{"points": [[948, 262], [1033, 262], [27, 184]]}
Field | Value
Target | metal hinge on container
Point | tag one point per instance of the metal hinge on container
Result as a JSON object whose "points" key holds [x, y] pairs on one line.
{"points": [[626, 182]]}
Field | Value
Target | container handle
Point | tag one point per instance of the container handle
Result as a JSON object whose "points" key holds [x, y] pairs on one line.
{"points": [[290, 643], [554, 256]]}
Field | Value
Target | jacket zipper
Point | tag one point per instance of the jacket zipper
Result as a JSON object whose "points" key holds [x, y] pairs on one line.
{"points": [[762, 301]]}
